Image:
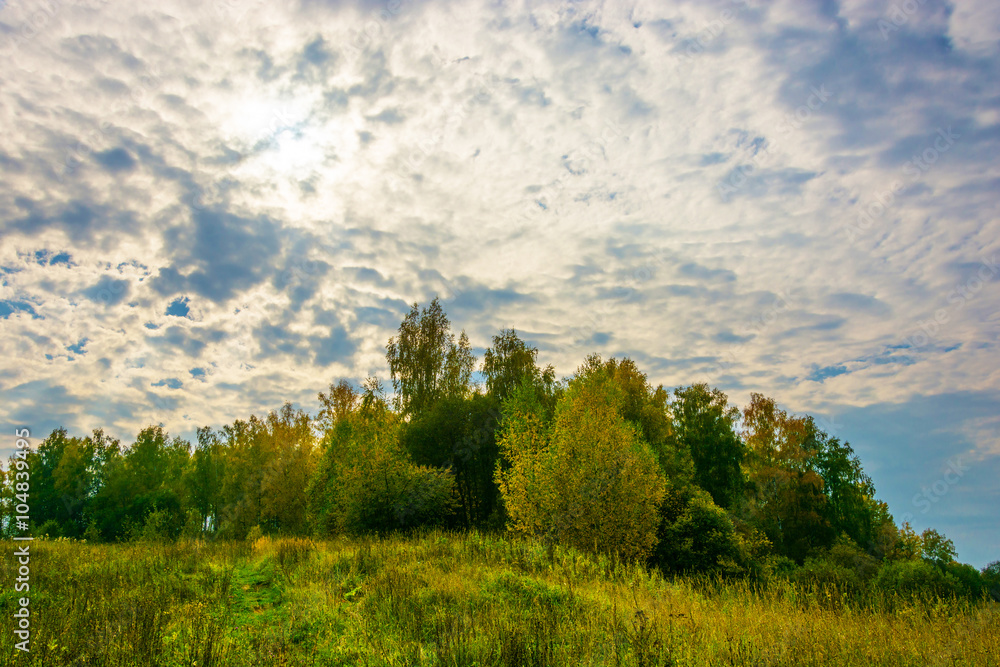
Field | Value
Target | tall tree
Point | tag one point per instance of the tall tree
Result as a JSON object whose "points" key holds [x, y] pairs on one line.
{"points": [[147, 478], [509, 363], [851, 507], [704, 424], [426, 362], [247, 457], [646, 409], [205, 478], [787, 500], [367, 483], [288, 470], [48, 507], [66, 473], [459, 433], [337, 405]]}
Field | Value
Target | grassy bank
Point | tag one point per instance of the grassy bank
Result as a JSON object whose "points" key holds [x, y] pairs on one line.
{"points": [[451, 600]]}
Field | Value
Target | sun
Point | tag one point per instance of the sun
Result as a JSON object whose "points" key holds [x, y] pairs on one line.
{"points": [[294, 152], [277, 137]]}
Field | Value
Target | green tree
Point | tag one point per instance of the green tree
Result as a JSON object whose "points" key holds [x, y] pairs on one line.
{"points": [[646, 409], [48, 506], [426, 362], [704, 424], [915, 578], [73, 481], [66, 473], [205, 478], [337, 405], [459, 433], [289, 468], [509, 363], [696, 535], [246, 459], [268, 464], [937, 548], [850, 507], [991, 579], [146, 478]]}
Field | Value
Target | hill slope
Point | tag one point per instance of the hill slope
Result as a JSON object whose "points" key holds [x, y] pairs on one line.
{"points": [[439, 599]]}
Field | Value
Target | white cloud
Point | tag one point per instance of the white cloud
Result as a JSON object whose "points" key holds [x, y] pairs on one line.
{"points": [[297, 171]]}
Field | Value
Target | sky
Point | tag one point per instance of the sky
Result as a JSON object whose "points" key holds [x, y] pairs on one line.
{"points": [[210, 208]]}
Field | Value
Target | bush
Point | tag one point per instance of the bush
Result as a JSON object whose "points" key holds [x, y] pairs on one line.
{"points": [[991, 579], [696, 535], [155, 516], [915, 578], [160, 525], [781, 566], [846, 554], [968, 579], [407, 496], [821, 572], [50, 528], [194, 526]]}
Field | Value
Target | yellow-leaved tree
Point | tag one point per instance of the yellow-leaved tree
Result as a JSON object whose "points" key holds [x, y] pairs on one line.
{"points": [[587, 479]]}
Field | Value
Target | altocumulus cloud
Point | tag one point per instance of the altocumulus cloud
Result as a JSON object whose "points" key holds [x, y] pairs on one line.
{"points": [[209, 209]]}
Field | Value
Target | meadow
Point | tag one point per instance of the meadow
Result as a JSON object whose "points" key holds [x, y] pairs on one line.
{"points": [[459, 600]]}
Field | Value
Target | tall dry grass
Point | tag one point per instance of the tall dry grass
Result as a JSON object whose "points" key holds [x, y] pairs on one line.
{"points": [[457, 600]]}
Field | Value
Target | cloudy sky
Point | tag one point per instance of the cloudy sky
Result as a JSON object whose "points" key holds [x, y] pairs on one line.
{"points": [[210, 208]]}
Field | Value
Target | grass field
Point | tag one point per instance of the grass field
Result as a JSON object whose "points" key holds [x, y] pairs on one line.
{"points": [[458, 600]]}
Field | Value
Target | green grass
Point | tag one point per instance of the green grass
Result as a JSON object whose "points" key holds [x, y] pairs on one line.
{"points": [[457, 600]]}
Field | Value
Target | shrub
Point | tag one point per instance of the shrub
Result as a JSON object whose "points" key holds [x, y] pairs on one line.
{"points": [[50, 528], [915, 577], [991, 579], [969, 581], [825, 572], [696, 535], [403, 496], [781, 566], [368, 484], [846, 554]]}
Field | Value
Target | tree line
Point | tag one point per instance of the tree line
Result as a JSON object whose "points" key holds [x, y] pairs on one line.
{"points": [[601, 460]]}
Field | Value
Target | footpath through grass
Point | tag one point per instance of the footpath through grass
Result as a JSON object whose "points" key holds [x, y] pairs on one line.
{"points": [[456, 600]]}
